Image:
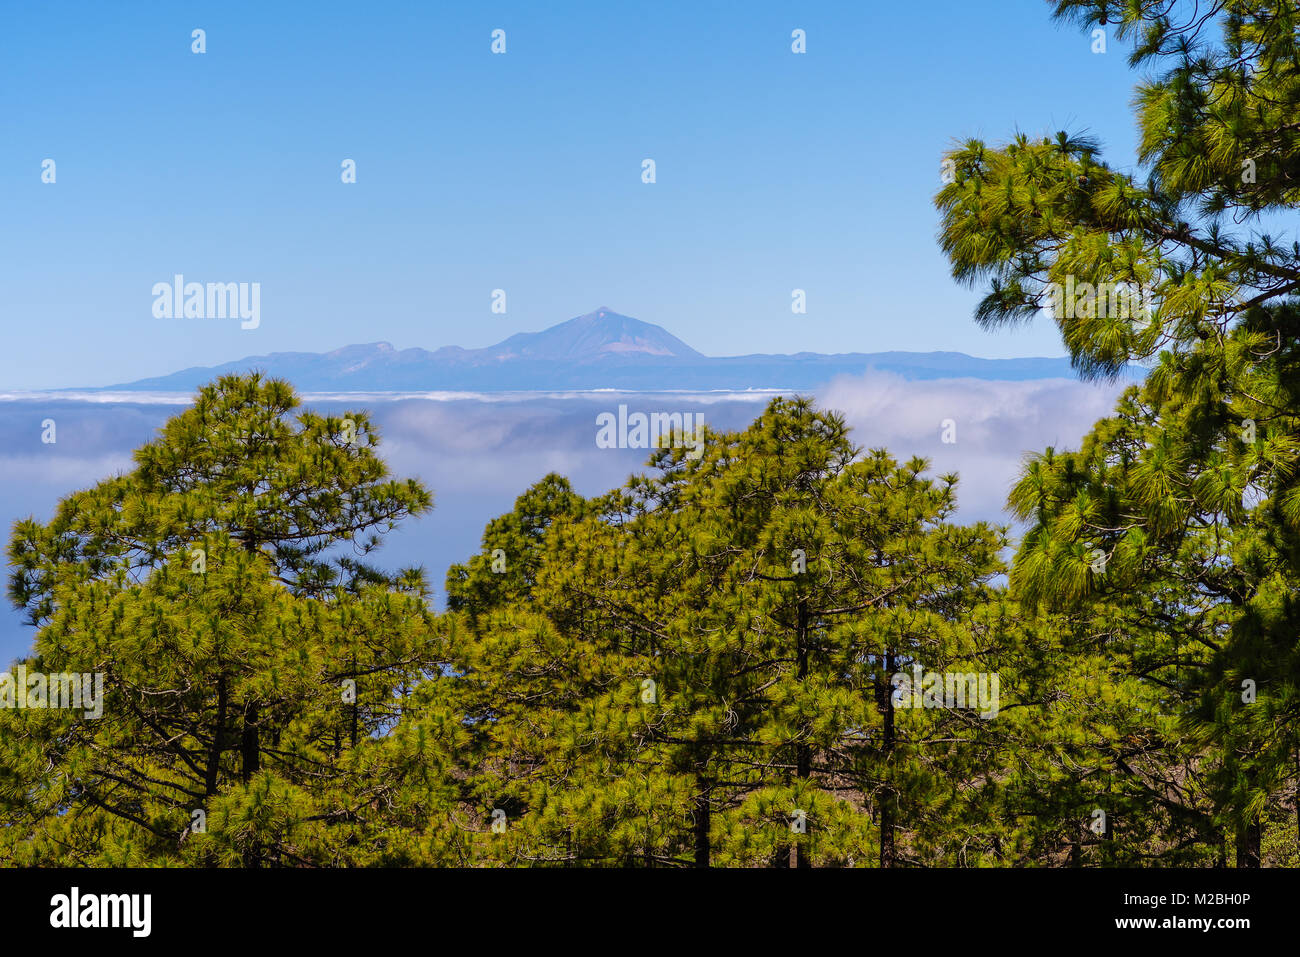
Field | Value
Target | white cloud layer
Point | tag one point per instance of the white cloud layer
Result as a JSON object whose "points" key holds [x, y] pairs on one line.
{"points": [[477, 456]]}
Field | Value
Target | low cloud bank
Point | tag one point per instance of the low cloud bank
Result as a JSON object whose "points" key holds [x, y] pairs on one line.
{"points": [[478, 455], [994, 425]]}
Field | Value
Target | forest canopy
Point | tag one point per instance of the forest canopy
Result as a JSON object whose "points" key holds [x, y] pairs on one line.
{"points": [[771, 647], [784, 652]]}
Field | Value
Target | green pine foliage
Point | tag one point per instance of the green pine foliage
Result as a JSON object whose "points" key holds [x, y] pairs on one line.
{"points": [[700, 669], [1169, 539], [201, 585], [757, 656]]}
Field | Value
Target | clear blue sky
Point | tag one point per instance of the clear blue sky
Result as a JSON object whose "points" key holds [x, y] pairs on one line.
{"points": [[519, 172]]}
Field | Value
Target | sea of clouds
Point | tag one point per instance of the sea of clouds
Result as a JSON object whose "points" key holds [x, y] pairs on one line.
{"points": [[478, 452]]}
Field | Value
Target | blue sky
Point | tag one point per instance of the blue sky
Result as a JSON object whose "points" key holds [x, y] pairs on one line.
{"points": [[520, 171]]}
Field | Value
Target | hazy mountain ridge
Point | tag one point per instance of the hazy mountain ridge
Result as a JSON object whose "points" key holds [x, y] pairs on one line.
{"points": [[599, 350]]}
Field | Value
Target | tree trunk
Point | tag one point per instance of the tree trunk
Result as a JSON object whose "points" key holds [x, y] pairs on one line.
{"points": [[803, 753], [356, 705], [702, 824], [888, 800], [218, 733], [1248, 843], [250, 747]]}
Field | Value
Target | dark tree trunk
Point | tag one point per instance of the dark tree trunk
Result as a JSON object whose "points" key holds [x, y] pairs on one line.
{"points": [[1249, 838], [888, 800], [702, 825], [356, 705], [218, 734], [250, 747], [803, 753]]}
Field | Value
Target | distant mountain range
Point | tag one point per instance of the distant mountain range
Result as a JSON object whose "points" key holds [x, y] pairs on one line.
{"points": [[601, 350]]}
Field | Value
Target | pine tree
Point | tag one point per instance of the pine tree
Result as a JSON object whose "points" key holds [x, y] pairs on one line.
{"points": [[699, 670], [243, 654], [1171, 534]]}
